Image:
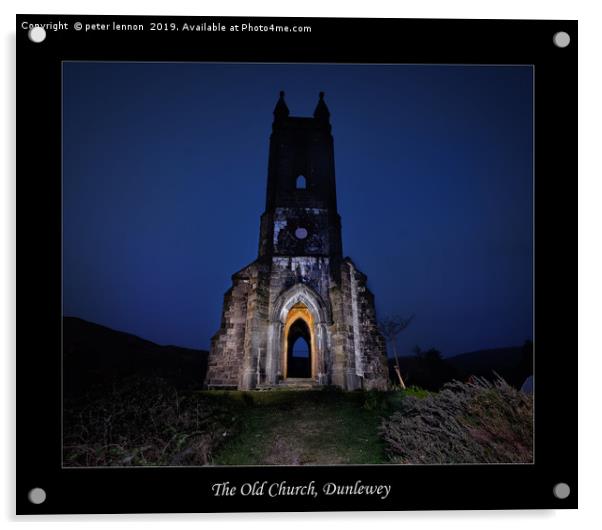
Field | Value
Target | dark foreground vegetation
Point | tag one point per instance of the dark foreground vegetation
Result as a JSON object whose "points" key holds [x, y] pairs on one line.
{"points": [[143, 421], [148, 422], [476, 422]]}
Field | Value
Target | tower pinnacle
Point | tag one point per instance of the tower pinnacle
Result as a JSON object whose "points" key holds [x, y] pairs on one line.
{"points": [[281, 110], [321, 112]]}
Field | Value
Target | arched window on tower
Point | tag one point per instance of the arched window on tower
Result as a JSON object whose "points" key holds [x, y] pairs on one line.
{"points": [[301, 183]]}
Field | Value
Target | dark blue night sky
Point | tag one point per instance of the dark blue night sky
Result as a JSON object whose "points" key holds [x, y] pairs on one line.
{"points": [[165, 170]]}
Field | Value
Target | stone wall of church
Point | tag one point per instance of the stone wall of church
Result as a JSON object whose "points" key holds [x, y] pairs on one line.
{"points": [[278, 232], [289, 271], [374, 368], [228, 344], [354, 355], [359, 350], [256, 328]]}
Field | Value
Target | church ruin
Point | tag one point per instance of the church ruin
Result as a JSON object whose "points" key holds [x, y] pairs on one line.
{"points": [[300, 290]]}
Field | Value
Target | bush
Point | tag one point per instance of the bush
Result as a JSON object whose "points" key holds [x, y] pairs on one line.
{"points": [[143, 421], [477, 422]]}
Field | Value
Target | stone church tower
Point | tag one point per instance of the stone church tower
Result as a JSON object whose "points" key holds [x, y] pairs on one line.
{"points": [[300, 289]]}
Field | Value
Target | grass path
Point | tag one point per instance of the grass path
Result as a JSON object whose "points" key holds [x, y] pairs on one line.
{"points": [[304, 427]]}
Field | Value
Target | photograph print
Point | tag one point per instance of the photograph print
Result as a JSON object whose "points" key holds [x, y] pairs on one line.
{"points": [[297, 264]]}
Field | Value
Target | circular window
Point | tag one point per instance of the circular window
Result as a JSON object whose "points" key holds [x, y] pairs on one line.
{"points": [[301, 233]]}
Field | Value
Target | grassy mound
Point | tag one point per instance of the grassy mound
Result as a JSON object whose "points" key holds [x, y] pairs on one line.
{"points": [[314, 427]]}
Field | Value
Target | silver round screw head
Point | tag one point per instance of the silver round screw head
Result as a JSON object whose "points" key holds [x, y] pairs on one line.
{"points": [[562, 490], [36, 34], [561, 39], [36, 496]]}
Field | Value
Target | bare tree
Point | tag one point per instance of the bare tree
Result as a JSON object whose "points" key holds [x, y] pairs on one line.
{"points": [[390, 327]]}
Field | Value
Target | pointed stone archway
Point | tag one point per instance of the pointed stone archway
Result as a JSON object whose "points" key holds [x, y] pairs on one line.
{"points": [[299, 303]]}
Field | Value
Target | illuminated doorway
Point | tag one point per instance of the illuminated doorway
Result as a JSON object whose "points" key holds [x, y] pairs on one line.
{"points": [[299, 344], [299, 350]]}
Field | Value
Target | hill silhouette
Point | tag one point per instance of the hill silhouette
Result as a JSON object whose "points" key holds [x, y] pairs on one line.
{"points": [[430, 370], [507, 362], [95, 355]]}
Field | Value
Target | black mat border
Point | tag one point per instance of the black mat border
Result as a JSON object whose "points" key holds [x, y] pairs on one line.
{"points": [[331, 41]]}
